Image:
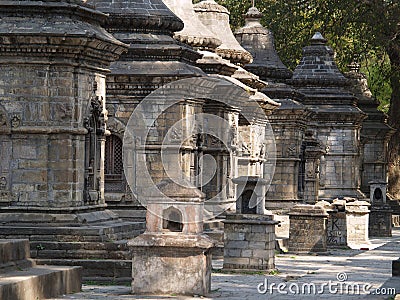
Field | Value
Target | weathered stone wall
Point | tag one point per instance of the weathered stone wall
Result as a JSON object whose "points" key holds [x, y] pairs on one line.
{"points": [[47, 105], [340, 165], [284, 185]]}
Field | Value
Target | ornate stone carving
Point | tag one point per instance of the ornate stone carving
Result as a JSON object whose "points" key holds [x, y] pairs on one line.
{"points": [[16, 121], [3, 183]]}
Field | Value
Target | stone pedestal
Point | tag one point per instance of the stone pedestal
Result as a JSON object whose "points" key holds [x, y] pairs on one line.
{"points": [[357, 215], [380, 221], [380, 217], [171, 264], [307, 232], [249, 242], [172, 256], [336, 229], [396, 267]]}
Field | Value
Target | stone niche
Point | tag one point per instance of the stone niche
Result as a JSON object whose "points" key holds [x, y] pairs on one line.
{"points": [[307, 232], [250, 194], [380, 218], [173, 256]]}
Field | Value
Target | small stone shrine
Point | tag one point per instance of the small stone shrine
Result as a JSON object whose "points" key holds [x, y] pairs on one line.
{"points": [[172, 256], [249, 235], [380, 216]]}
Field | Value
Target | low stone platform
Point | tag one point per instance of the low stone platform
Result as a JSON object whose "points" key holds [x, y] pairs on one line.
{"points": [[21, 278], [101, 248]]}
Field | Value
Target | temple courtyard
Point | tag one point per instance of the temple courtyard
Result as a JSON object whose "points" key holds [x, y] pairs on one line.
{"points": [[346, 270]]}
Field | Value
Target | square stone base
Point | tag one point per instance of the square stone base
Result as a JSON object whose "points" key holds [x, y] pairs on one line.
{"points": [[380, 222], [249, 242], [167, 264]]}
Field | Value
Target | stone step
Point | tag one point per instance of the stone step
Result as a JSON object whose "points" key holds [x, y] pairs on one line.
{"points": [[99, 270], [105, 242], [40, 282], [80, 254], [14, 254], [102, 233], [131, 215]]}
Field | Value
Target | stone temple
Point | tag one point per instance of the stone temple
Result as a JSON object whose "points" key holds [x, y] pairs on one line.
{"points": [[133, 132]]}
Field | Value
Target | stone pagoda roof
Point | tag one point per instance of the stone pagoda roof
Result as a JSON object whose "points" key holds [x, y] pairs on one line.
{"points": [[376, 123], [195, 33], [317, 66], [216, 18], [148, 26], [324, 87], [259, 41], [55, 28]]}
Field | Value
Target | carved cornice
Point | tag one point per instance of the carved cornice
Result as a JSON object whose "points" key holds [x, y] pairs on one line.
{"points": [[57, 29]]}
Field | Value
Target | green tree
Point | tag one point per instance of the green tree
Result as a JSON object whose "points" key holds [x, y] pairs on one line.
{"points": [[365, 31]]}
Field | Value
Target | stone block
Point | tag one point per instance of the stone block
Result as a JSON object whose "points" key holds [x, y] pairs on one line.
{"points": [[396, 268], [258, 246]]}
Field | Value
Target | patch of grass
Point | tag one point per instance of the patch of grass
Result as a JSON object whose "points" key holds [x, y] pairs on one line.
{"points": [[293, 257], [106, 283], [274, 272], [243, 272], [39, 247]]}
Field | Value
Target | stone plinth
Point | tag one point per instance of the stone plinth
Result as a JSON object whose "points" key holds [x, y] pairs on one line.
{"points": [[171, 263], [357, 215], [172, 256], [336, 230], [249, 242], [380, 221], [396, 267], [307, 232]]}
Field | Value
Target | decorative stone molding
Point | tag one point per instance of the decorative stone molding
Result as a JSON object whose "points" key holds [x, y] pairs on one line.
{"points": [[216, 18]]}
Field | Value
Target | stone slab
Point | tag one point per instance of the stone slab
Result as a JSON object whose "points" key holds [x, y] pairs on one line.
{"points": [[40, 282]]}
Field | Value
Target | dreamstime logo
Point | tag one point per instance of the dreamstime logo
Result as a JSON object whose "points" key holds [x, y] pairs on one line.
{"points": [[197, 132], [339, 287]]}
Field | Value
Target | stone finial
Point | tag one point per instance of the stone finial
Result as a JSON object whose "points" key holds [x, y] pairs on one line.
{"points": [[216, 18], [317, 66], [194, 33], [318, 39], [259, 41]]}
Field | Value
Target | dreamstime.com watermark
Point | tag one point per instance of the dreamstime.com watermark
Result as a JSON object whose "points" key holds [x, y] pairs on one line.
{"points": [[341, 286]]}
